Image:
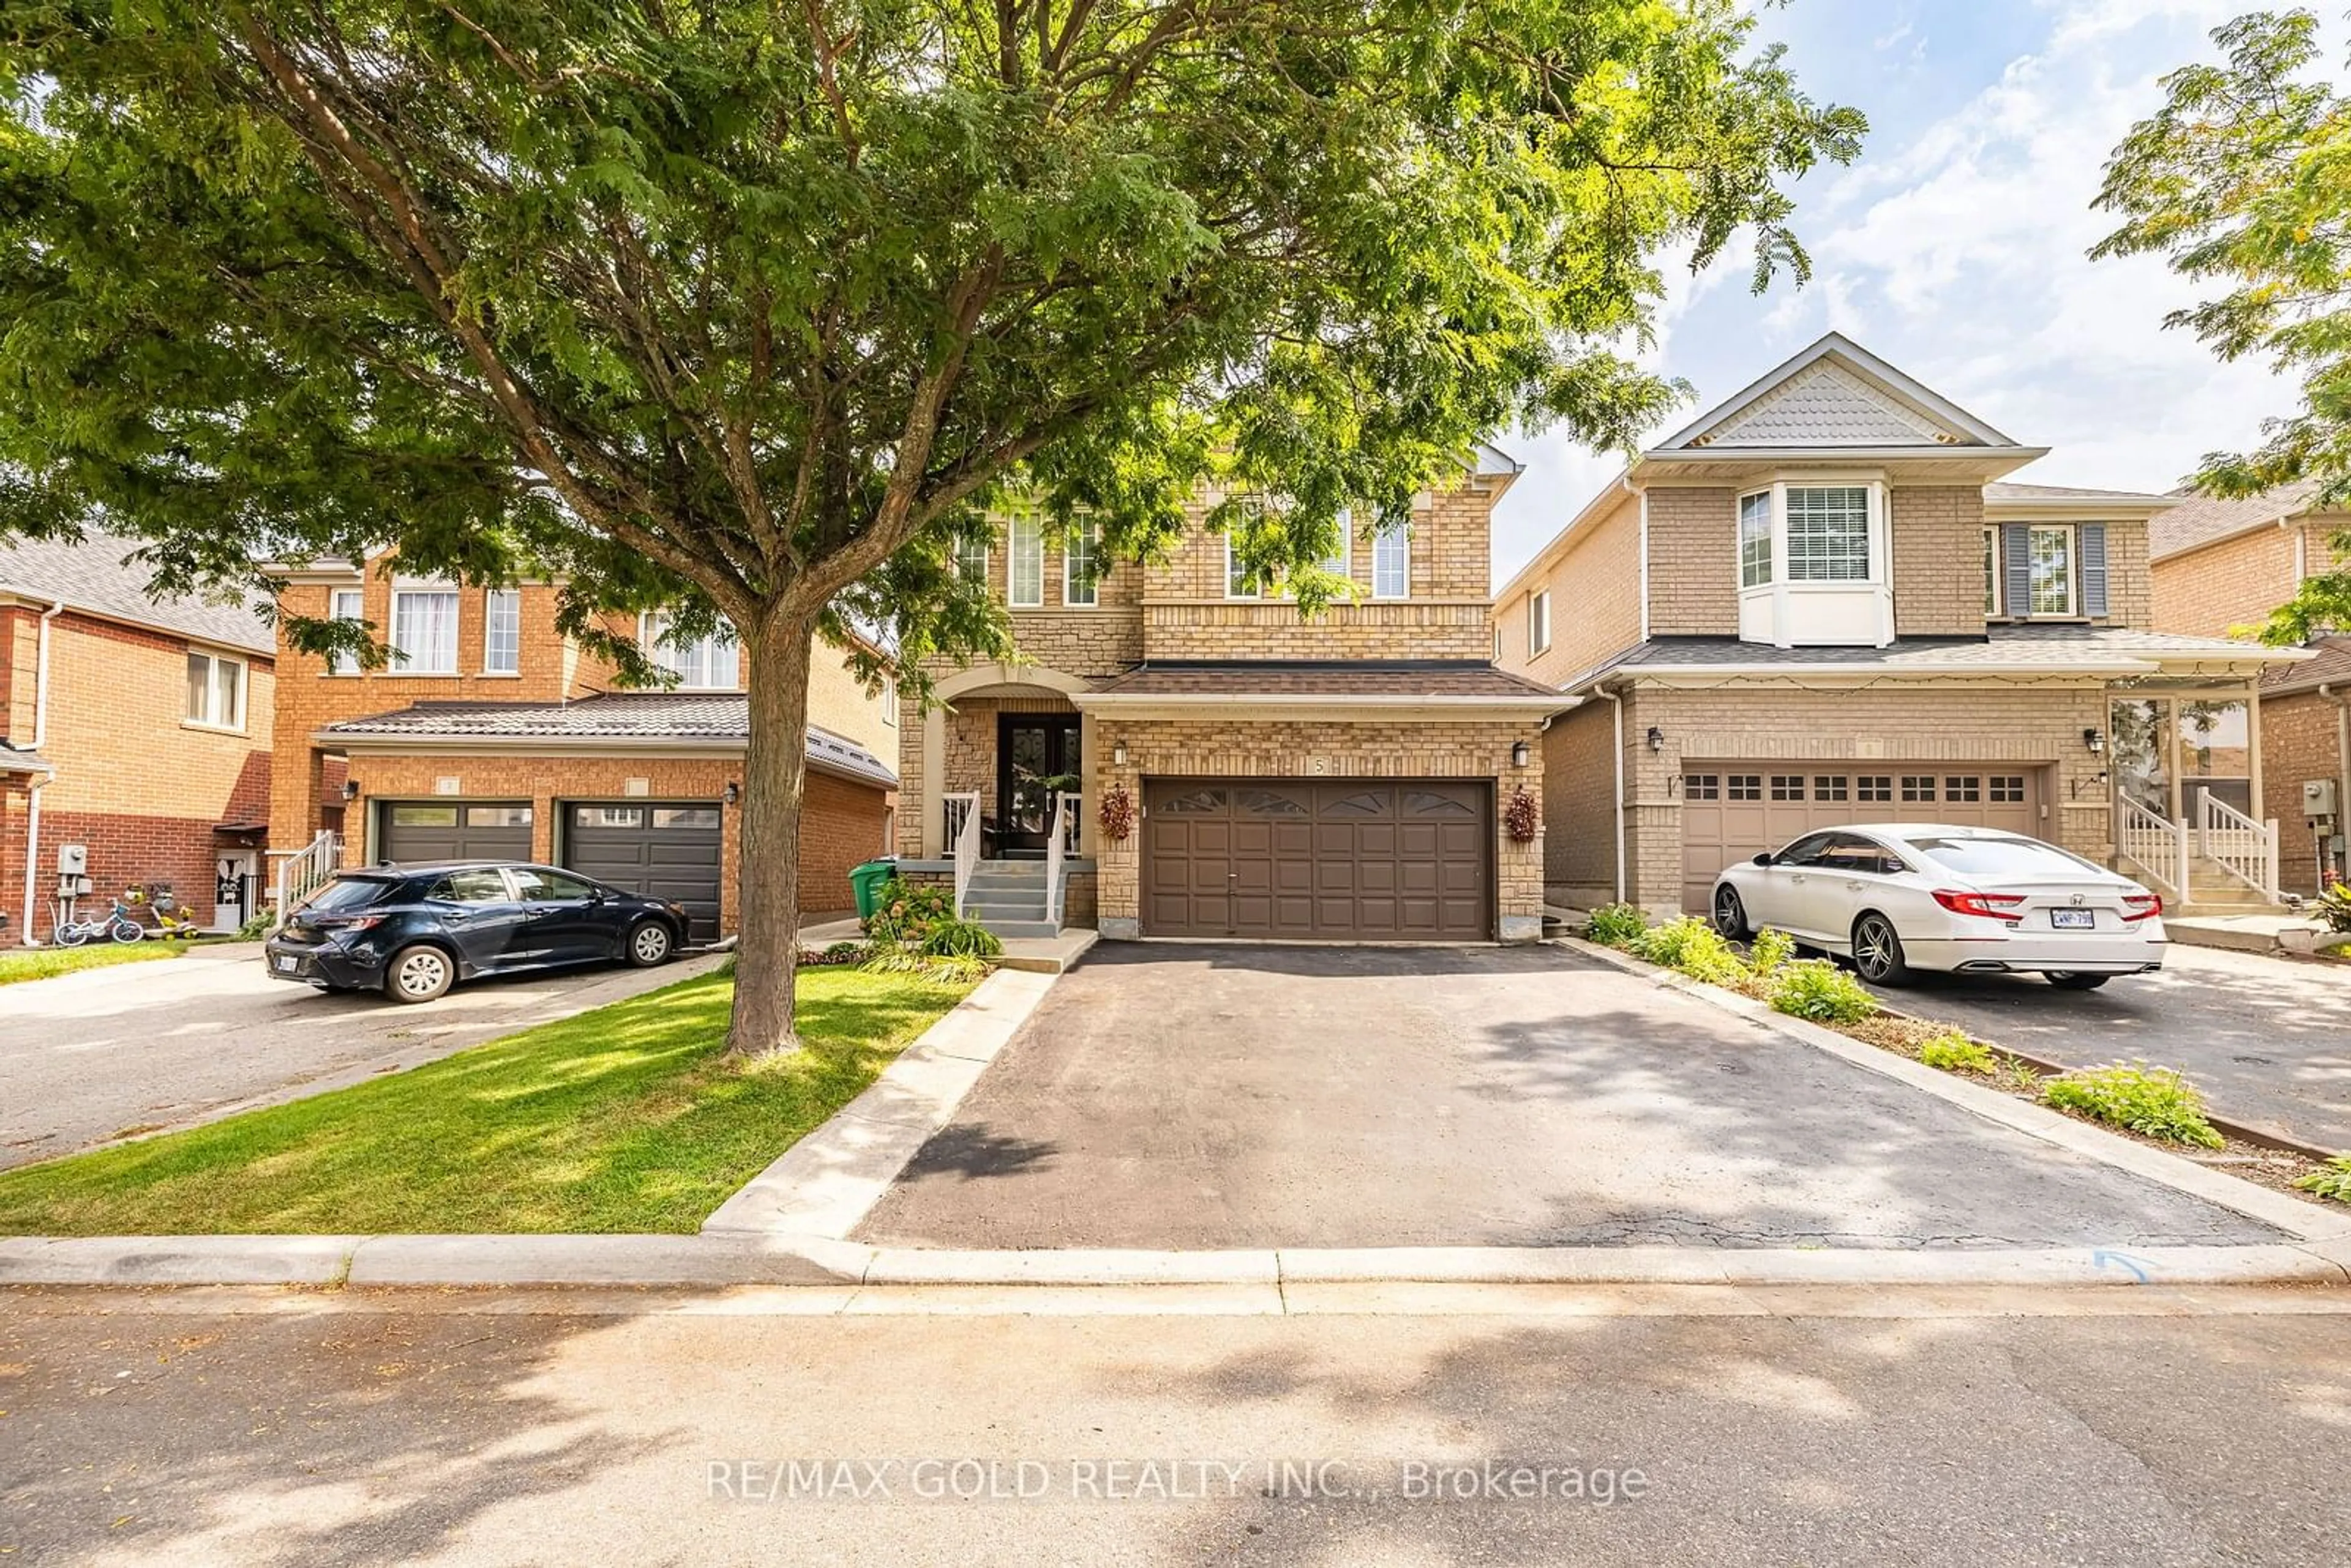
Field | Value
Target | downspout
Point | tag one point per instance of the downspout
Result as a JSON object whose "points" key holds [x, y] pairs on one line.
{"points": [[1616, 715], [2342, 701], [33, 795]]}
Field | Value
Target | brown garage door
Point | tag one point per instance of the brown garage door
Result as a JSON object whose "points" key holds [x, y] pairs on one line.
{"points": [[1304, 861], [1731, 810]]}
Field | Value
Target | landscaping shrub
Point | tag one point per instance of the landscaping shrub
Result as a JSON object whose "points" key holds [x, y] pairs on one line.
{"points": [[1771, 949], [256, 925], [2154, 1100], [1955, 1052], [1692, 947], [1616, 924], [2333, 908], [2332, 1179], [951, 938], [837, 954], [953, 967], [908, 910], [1818, 989]]}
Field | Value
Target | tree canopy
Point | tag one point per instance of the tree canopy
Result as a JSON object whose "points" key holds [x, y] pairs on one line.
{"points": [[755, 308], [2243, 181]]}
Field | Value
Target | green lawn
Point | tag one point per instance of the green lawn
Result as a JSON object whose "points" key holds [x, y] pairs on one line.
{"points": [[623, 1119], [40, 963]]}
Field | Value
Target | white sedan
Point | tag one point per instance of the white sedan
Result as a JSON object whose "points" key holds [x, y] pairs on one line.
{"points": [[1900, 896]]}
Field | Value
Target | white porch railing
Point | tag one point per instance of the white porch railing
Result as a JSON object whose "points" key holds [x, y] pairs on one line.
{"points": [[963, 833], [2238, 845], [1058, 840], [301, 873], [2158, 846]]}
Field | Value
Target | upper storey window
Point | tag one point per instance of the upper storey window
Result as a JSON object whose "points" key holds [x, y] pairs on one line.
{"points": [[2052, 576], [1081, 565], [971, 560], [1024, 581], [1538, 623], [1811, 562], [424, 631], [502, 633], [345, 605], [2046, 571], [1392, 560], [711, 663]]}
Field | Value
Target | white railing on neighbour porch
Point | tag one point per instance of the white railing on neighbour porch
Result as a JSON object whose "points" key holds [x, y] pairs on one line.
{"points": [[963, 833], [2238, 845], [1058, 840], [2158, 846], [302, 872]]}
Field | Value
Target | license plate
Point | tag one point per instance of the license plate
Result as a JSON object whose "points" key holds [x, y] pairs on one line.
{"points": [[288, 966], [2073, 919]]}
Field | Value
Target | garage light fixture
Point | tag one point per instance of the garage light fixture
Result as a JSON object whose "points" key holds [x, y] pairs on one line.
{"points": [[2094, 740], [1519, 753], [1118, 755], [350, 789], [1656, 738], [732, 793]]}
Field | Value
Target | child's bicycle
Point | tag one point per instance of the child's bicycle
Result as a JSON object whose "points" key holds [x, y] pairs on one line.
{"points": [[172, 922], [116, 923]]}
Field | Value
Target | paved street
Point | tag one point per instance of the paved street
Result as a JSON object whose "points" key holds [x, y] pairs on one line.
{"points": [[2268, 1038], [1251, 1096], [90, 1056], [478, 1430]]}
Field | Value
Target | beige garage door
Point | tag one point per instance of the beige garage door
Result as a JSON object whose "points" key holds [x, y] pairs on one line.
{"points": [[1731, 810]]}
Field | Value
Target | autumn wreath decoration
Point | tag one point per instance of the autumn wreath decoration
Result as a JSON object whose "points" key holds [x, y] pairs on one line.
{"points": [[1522, 817], [1117, 814]]}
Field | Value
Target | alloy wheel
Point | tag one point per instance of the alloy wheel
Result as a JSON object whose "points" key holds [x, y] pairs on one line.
{"points": [[423, 974], [1729, 914], [1876, 948]]}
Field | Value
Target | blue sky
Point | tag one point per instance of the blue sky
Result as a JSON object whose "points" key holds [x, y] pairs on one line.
{"points": [[1955, 247]]}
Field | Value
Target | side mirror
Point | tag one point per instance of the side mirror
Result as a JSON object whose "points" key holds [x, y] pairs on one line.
{"points": [[1763, 859]]}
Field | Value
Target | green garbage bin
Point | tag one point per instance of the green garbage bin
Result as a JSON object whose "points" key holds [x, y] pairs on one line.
{"points": [[867, 880]]}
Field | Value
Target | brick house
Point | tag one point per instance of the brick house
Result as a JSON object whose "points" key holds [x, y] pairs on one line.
{"points": [[1344, 777], [134, 726], [491, 735], [2224, 564], [1821, 602]]}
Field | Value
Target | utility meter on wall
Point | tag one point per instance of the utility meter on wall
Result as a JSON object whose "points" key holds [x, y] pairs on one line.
{"points": [[73, 859], [2317, 797]]}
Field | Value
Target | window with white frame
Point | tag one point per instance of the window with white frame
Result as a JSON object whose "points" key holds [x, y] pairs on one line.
{"points": [[345, 605], [1392, 560], [971, 560], [1828, 533], [890, 701], [424, 631], [1992, 571], [1024, 582], [711, 663], [1081, 565], [1239, 583], [1339, 562], [502, 633], [216, 691], [1538, 621], [2053, 571], [1755, 539]]}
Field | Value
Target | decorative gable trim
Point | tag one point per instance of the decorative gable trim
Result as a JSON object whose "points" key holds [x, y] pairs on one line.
{"points": [[1834, 393]]}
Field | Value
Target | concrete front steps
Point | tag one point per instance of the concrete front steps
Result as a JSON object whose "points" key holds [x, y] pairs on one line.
{"points": [[1007, 896]]}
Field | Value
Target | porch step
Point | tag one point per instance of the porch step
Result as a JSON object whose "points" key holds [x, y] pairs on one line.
{"points": [[1008, 898], [1004, 906]]}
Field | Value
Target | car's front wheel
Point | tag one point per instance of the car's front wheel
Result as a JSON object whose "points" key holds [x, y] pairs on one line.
{"points": [[418, 974], [1878, 951], [2074, 980], [1730, 913], [650, 944]]}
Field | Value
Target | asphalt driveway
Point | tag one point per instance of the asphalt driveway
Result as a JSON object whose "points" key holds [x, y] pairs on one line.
{"points": [[1254, 1097], [2269, 1040], [99, 1054]]}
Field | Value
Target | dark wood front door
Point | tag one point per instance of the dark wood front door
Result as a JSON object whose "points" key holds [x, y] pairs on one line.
{"points": [[1301, 860], [1036, 758]]}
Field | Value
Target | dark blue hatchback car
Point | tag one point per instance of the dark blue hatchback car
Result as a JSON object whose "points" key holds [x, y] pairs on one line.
{"points": [[413, 931]]}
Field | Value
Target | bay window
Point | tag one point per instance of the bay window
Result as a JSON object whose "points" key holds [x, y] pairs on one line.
{"points": [[1812, 565], [1755, 539], [1828, 533]]}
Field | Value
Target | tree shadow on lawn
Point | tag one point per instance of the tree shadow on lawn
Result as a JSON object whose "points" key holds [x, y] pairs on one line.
{"points": [[625, 1119]]}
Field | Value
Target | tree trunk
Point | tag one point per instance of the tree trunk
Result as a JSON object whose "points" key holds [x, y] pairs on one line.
{"points": [[767, 878]]}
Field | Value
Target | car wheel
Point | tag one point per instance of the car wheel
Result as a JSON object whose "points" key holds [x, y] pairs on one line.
{"points": [[650, 944], [1878, 951], [418, 974], [2074, 980], [1729, 914]]}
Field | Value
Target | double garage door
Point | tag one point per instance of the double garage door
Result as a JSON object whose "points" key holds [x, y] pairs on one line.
{"points": [[1304, 859], [1734, 810], [660, 848]]}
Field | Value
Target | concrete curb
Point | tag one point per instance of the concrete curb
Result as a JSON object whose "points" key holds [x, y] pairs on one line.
{"points": [[2299, 1221], [823, 1185]]}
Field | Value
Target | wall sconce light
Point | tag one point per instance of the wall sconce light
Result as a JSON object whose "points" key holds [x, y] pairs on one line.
{"points": [[732, 793], [1118, 754], [2094, 740], [350, 789], [1656, 738], [1519, 753]]}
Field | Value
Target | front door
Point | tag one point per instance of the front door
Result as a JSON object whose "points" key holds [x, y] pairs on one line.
{"points": [[1036, 758]]}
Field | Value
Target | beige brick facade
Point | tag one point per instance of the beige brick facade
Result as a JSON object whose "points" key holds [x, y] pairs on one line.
{"points": [[2237, 582], [1594, 585], [1693, 563], [1939, 579]]}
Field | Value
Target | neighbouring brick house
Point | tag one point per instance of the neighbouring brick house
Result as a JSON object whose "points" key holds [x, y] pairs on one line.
{"points": [[134, 727], [491, 735], [2224, 564], [1820, 603], [1343, 778]]}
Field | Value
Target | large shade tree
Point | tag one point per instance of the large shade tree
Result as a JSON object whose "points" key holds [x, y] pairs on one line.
{"points": [[754, 307], [2242, 181]]}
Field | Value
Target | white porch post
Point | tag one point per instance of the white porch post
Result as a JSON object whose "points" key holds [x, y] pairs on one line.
{"points": [[928, 808]]}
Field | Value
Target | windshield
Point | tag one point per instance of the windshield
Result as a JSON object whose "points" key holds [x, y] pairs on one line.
{"points": [[345, 893], [2000, 857]]}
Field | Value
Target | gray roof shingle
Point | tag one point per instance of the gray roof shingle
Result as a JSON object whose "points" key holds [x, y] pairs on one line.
{"points": [[2202, 520], [96, 574], [2024, 648]]}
